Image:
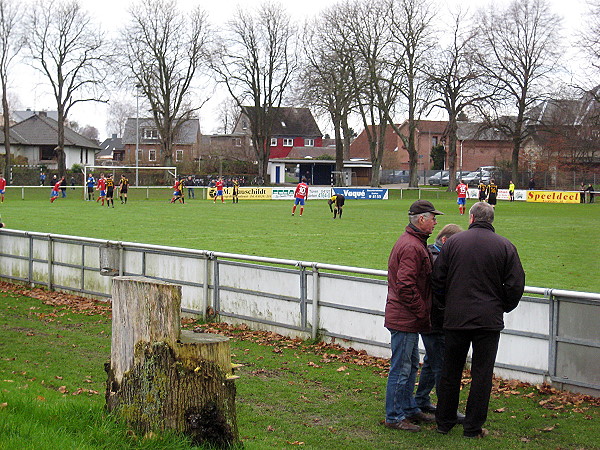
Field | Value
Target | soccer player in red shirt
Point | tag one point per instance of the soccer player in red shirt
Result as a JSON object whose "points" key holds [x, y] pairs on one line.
{"points": [[462, 190], [2, 188], [55, 190], [101, 187], [219, 187], [301, 195]]}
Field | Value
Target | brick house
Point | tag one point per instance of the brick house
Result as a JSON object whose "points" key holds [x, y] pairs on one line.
{"points": [[294, 127], [476, 146], [185, 144]]}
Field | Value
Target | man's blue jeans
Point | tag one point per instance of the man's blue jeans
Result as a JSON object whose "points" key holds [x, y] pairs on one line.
{"points": [[404, 364], [431, 372]]}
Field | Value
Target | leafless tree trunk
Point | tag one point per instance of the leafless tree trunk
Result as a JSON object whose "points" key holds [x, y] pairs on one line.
{"points": [[326, 81], [412, 32], [256, 61], [369, 41], [457, 85], [69, 50], [518, 49], [164, 50], [10, 46]]}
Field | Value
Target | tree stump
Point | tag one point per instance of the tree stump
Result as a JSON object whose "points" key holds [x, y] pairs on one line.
{"points": [[160, 378]]}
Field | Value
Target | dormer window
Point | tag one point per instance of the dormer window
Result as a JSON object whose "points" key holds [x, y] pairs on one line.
{"points": [[150, 133], [309, 142], [273, 142], [288, 142]]}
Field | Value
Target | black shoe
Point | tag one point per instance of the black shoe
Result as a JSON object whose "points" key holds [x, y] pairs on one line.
{"points": [[428, 408], [483, 433], [460, 417], [439, 430]]}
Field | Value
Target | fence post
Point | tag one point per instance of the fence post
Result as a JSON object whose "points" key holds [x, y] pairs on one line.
{"points": [[553, 333], [50, 258], [315, 302]]}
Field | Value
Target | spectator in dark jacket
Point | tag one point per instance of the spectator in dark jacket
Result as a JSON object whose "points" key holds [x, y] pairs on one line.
{"points": [[407, 312], [477, 278], [431, 372]]}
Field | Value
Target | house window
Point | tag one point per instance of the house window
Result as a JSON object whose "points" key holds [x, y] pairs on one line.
{"points": [[46, 152], [237, 142], [140, 155], [244, 125], [434, 141], [150, 133], [288, 142], [152, 155], [273, 142], [309, 142], [178, 155]]}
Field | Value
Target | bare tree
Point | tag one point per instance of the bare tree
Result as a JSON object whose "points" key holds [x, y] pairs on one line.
{"points": [[457, 84], [228, 112], [589, 37], [69, 50], [118, 113], [326, 80], [413, 35], [10, 46], [163, 50], [369, 43], [517, 50], [256, 60]]}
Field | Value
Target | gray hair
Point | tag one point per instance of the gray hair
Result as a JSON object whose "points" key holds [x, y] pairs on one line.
{"points": [[482, 212], [414, 219]]}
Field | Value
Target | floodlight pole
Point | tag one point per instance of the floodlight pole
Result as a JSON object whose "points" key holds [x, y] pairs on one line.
{"points": [[137, 132]]}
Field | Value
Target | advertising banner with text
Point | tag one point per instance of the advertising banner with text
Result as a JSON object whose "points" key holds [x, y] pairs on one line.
{"points": [[314, 192], [245, 193], [363, 194], [552, 197], [503, 194]]}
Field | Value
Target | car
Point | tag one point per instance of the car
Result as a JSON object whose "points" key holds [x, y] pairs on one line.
{"points": [[436, 179], [459, 175], [475, 177]]}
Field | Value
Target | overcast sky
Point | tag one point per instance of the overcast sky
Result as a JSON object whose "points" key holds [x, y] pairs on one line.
{"points": [[32, 91]]}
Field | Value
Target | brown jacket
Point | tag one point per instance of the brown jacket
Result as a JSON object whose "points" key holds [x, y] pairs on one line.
{"points": [[408, 303]]}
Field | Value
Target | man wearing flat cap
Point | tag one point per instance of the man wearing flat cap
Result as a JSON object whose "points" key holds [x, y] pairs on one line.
{"points": [[407, 313]]}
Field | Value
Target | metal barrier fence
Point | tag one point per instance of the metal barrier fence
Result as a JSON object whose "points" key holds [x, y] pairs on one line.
{"points": [[553, 335]]}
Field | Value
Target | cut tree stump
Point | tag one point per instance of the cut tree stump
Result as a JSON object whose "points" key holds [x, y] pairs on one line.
{"points": [[160, 378]]}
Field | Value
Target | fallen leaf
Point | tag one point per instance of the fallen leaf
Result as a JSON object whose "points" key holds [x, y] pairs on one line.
{"points": [[63, 390], [3, 405], [41, 399], [342, 369], [270, 428], [500, 410], [524, 439]]}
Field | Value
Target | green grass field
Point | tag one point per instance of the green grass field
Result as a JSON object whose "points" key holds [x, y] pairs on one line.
{"points": [[290, 394], [558, 243]]}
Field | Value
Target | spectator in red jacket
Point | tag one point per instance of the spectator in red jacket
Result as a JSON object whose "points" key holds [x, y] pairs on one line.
{"points": [[407, 313]]}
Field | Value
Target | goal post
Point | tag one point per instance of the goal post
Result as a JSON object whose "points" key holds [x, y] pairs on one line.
{"points": [[87, 169]]}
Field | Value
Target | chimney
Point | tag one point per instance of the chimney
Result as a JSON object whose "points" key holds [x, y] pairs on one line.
{"points": [[42, 114]]}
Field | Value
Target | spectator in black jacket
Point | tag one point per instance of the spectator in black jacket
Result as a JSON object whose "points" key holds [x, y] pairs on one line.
{"points": [[431, 372], [476, 279]]}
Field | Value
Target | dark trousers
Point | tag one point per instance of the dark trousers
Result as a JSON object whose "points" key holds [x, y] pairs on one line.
{"points": [[485, 347]]}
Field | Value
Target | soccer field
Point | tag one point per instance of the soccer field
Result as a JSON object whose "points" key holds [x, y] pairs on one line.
{"points": [[558, 243]]}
